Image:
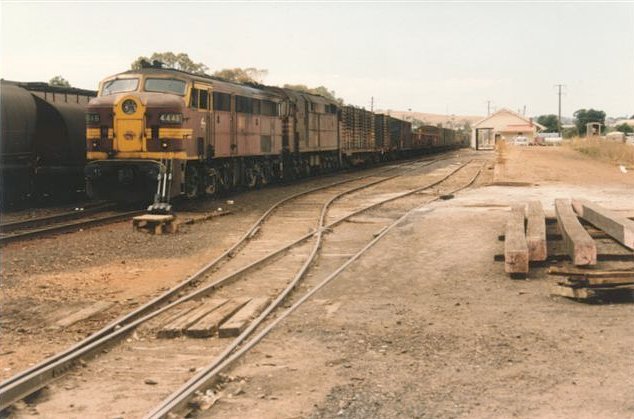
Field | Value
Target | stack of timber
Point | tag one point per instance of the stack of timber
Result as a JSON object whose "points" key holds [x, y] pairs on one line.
{"points": [[357, 129], [590, 284], [382, 131], [582, 232], [586, 284]]}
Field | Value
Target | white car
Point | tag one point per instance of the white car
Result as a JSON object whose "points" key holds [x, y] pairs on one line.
{"points": [[520, 140]]}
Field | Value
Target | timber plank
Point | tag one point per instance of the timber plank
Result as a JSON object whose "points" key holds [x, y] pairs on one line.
{"points": [[236, 324], [566, 271], [577, 293], [515, 246], [615, 225], [536, 231], [84, 313], [208, 325], [579, 245], [179, 324], [605, 281]]}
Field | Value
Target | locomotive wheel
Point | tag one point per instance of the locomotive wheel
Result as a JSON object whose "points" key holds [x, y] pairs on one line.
{"points": [[266, 174], [213, 183], [192, 182], [251, 177], [226, 183]]}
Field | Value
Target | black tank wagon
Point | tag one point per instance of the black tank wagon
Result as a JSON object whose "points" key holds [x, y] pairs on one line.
{"points": [[42, 148]]}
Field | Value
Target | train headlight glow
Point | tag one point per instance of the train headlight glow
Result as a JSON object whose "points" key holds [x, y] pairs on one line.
{"points": [[129, 106], [171, 118], [164, 144]]}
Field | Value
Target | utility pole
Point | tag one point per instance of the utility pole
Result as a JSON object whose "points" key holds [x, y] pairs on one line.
{"points": [[559, 86], [488, 107]]}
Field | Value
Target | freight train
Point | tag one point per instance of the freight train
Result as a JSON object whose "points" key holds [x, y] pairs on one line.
{"points": [[156, 133], [43, 143]]}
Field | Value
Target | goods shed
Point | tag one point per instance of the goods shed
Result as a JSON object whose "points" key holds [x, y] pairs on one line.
{"points": [[502, 125]]}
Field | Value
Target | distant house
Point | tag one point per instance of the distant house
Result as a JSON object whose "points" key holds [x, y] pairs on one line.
{"points": [[502, 125]]}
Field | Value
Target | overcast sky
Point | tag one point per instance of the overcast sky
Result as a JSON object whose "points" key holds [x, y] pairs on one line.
{"points": [[430, 57]]}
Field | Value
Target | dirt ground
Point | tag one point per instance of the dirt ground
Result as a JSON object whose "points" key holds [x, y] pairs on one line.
{"points": [[426, 325]]}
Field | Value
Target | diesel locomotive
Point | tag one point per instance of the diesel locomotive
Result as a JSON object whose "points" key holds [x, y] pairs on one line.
{"points": [[156, 133]]}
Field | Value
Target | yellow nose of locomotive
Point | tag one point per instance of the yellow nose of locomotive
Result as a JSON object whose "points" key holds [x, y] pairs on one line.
{"points": [[129, 124]]}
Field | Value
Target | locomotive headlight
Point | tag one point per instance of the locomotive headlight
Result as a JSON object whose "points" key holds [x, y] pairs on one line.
{"points": [[163, 144], [171, 118], [92, 118], [129, 106]]}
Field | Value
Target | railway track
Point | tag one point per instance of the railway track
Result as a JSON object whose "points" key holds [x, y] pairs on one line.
{"points": [[62, 223], [283, 242]]}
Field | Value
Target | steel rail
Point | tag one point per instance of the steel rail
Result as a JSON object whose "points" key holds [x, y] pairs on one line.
{"points": [[49, 219], [69, 227], [36, 377], [207, 376]]}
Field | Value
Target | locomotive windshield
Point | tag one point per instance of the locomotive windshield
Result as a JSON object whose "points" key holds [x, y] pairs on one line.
{"points": [[165, 86], [119, 85]]}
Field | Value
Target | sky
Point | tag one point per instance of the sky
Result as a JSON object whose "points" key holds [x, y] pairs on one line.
{"points": [[445, 58]]}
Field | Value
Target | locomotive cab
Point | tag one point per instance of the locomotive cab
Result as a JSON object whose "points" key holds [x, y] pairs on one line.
{"points": [[135, 136]]}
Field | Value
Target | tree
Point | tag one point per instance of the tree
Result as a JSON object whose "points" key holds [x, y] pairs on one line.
{"points": [[624, 128], [180, 61], [549, 121], [242, 75], [585, 116], [59, 81], [570, 132], [417, 123], [319, 90]]}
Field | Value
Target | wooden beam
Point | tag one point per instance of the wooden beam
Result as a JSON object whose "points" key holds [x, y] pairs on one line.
{"points": [[84, 313], [208, 325], [579, 245], [577, 293], [515, 246], [602, 280], [565, 290], [536, 232], [617, 226], [566, 271], [236, 324]]}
